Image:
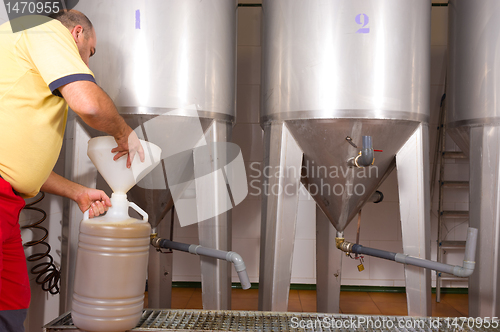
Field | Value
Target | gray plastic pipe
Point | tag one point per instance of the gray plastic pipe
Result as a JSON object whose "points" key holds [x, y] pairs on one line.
{"points": [[366, 157], [459, 271], [195, 249]]}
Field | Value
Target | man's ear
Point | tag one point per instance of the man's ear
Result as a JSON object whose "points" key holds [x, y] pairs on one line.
{"points": [[77, 33]]}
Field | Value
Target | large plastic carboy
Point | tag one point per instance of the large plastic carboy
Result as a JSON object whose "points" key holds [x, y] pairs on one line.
{"points": [[113, 249]]}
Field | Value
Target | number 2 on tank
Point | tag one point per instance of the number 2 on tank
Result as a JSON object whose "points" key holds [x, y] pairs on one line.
{"points": [[362, 19]]}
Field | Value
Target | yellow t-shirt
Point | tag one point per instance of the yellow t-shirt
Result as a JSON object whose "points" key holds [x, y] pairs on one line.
{"points": [[34, 63]]}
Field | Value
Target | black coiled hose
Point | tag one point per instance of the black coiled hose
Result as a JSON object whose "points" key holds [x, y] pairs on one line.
{"points": [[48, 276]]}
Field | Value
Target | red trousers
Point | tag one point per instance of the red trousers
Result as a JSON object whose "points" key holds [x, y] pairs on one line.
{"points": [[14, 282]]}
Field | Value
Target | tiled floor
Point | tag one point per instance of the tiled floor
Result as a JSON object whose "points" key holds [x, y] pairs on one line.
{"points": [[362, 303]]}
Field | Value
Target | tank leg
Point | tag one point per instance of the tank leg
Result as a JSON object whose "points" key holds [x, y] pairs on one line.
{"points": [[412, 163], [328, 266], [484, 298], [280, 199], [160, 272], [79, 169], [216, 233]]}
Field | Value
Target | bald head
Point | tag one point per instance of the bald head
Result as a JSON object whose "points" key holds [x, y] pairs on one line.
{"points": [[81, 29], [72, 18]]}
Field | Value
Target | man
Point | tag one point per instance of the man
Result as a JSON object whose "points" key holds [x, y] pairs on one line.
{"points": [[43, 70]]}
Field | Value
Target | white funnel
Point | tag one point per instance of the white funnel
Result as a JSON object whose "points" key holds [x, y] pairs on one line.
{"points": [[115, 173]]}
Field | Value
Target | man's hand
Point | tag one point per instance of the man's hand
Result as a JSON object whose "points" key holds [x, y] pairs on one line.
{"points": [[86, 198], [96, 201], [130, 145]]}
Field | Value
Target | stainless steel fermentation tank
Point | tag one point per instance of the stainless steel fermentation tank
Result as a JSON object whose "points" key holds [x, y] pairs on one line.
{"points": [[154, 57], [473, 121], [335, 69]]}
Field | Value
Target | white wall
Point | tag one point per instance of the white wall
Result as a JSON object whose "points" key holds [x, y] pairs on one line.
{"points": [[3, 15], [455, 170]]}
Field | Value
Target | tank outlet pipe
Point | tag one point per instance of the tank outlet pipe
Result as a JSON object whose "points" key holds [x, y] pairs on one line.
{"points": [[459, 271], [377, 197], [195, 249], [365, 157]]}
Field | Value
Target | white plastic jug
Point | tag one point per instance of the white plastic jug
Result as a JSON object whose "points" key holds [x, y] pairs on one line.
{"points": [[111, 269]]}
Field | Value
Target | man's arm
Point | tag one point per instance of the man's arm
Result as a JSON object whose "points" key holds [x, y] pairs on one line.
{"points": [[97, 110], [86, 198]]}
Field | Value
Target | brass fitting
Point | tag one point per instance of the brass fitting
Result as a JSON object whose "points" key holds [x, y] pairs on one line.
{"points": [[155, 240], [339, 241], [346, 246], [343, 245]]}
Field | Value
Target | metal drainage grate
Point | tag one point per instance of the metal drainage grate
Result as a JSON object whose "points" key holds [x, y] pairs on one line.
{"points": [[215, 320]]}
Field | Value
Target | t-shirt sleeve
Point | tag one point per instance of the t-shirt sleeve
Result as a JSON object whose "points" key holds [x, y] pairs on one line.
{"points": [[55, 56]]}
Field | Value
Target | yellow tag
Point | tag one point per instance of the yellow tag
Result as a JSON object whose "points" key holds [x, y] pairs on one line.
{"points": [[360, 267]]}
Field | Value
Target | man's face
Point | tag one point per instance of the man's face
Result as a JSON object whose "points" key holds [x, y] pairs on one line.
{"points": [[86, 46]]}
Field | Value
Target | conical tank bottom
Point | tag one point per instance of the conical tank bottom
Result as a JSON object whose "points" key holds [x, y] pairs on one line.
{"points": [[157, 202], [115, 173], [341, 190]]}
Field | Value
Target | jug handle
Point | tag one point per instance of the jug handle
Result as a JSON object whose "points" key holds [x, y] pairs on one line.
{"points": [[86, 215], [143, 213]]}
